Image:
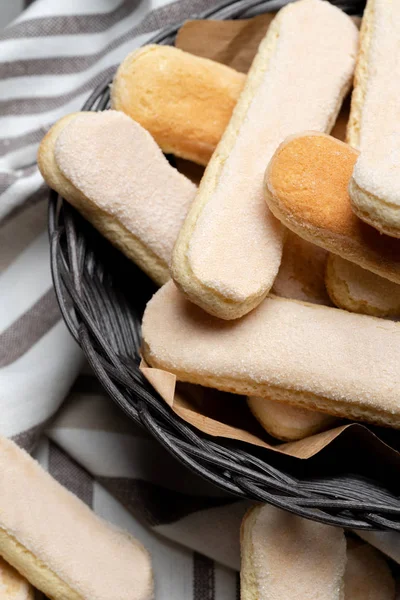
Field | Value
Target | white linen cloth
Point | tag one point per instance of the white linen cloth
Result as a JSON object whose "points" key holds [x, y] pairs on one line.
{"points": [[51, 58]]}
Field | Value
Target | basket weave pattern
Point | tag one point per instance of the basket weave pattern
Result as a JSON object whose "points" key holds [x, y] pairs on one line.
{"points": [[102, 296]]}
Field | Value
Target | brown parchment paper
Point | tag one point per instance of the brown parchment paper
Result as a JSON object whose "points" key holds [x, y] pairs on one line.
{"points": [[234, 43], [219, 414]]}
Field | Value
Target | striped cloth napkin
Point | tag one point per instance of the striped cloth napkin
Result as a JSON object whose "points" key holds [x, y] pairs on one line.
{"points": [[51, 58]]}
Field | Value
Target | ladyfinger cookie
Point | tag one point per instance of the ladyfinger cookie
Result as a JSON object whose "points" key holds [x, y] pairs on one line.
{"points": [[12, 585], [387, 542], [284, 556], [229, 249], [285, 422], [367, 575], [111, 170], [311, 356], [306, 187], [301, 275], [183, 100], [353, 288], [374, 119], [54, 540]]}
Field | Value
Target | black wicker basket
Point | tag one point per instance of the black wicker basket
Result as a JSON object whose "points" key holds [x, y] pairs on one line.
{"points": [[102, 296]]}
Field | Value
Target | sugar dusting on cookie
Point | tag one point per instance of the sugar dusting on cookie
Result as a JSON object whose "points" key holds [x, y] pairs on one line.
{"points": [[118, 166]]}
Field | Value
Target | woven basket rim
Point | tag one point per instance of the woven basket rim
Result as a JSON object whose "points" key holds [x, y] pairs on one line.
{"points": [[105, 321]]}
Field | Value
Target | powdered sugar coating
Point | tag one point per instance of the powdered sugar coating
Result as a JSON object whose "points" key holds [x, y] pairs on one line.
{"points": [[97, 561], [377, 169], [236, 246], [297, 558], [343, 357], [113, 161]]}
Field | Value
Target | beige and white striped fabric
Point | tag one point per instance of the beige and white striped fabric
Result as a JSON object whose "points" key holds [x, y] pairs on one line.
{"points": [[51, 58]]}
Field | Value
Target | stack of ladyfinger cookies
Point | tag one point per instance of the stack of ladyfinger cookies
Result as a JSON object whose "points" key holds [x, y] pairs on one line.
{"points": [[280, 272]]}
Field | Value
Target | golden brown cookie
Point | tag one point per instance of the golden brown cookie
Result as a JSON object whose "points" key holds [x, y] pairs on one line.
{"points": [[183, 100], [306, 187]]}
